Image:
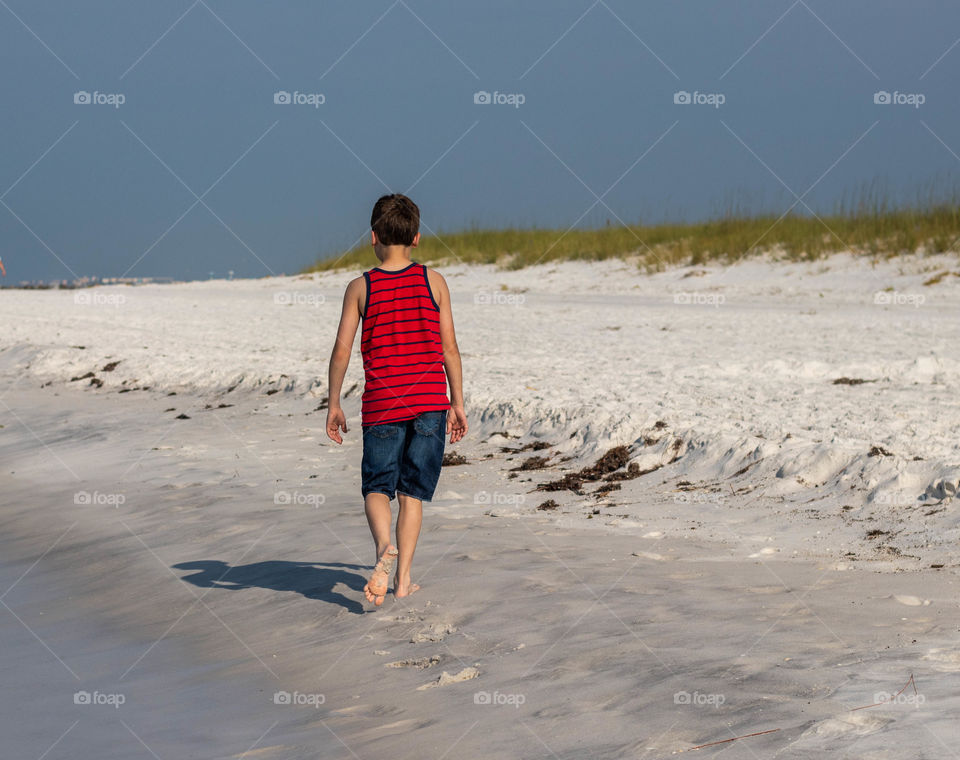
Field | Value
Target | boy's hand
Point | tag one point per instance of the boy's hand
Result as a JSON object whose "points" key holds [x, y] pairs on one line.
{"points": [[456, 423], [336, 421]]}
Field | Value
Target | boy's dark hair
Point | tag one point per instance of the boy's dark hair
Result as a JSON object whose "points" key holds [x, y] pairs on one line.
{"points": [[395, 219]]}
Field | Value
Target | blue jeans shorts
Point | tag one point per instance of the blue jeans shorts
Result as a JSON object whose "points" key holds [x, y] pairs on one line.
{"points": [[404, 457]]}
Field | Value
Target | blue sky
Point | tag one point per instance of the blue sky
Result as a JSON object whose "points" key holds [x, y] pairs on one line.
{"points": [[199, 170]]}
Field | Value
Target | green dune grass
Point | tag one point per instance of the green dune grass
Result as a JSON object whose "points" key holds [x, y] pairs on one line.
{"points": [[870, 230]]}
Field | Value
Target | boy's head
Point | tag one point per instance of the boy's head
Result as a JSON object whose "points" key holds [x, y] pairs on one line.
{"points": [[395, 222]]}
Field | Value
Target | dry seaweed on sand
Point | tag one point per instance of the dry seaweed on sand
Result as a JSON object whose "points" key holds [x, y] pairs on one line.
{"points": [[633, 471], [531, 463], [606, 488], [614, 459], [611, 461], [452, 458], [532, 446]]}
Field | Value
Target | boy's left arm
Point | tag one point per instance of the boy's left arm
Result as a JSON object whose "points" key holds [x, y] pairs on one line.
{"points": [[340, 358]]}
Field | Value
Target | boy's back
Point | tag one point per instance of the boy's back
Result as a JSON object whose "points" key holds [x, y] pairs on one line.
{"points": [[410, 355], [401, 346]]}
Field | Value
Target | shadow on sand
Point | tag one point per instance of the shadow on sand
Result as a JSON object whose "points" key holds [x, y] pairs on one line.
{"points": [[315, 580]]}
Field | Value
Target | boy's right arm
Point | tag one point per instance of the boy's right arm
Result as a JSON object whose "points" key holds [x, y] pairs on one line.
{"points": [[457, 418], [340, 357]]}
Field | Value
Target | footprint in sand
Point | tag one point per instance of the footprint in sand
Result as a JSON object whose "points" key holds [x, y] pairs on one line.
{"points": [[445, 678], [911, 601], [851, 724], [435, 632], [945, 660], [421, 663], [650, 555]]}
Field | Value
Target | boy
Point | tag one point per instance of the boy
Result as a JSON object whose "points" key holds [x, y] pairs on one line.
{"points": [[410, 353]]}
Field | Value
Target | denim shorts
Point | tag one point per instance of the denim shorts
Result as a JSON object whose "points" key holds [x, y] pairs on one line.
{"points": [[404, 457]]}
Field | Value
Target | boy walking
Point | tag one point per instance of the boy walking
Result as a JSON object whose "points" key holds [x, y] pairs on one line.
{"points": [[410, 354]]}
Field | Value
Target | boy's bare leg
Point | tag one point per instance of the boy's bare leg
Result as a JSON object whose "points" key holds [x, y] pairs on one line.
{"points": [[408, 531], [377, 508]]}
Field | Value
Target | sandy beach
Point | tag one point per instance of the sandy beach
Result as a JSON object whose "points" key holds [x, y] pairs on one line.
{"points": [[183, 544], [596, 633]]}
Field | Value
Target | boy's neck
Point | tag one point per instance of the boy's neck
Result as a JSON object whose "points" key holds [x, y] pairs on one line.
{"points": [[394, 256]]}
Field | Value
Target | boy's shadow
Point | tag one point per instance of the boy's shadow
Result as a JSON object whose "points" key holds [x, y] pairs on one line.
{"points": [[303, 577]]}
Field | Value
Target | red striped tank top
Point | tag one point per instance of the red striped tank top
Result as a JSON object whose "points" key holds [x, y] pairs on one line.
{"points": [[401, 348]]}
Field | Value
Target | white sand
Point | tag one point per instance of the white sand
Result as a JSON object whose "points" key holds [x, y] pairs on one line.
{"points": [[756, 594], [585, 356]]}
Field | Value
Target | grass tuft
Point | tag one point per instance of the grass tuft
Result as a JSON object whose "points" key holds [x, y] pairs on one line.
{"points": [[869, 227]]}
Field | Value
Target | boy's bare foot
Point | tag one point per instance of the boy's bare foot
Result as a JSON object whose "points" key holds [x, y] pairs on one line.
{"points": [[376, 588], [402, 588]]}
